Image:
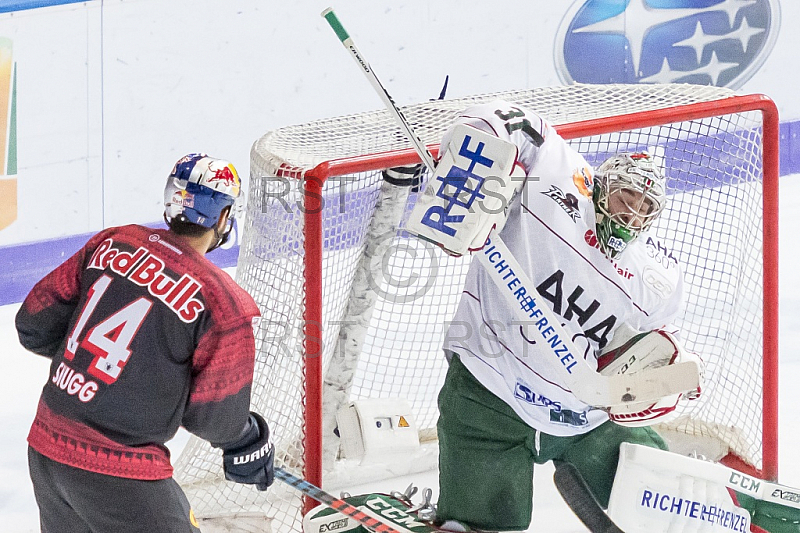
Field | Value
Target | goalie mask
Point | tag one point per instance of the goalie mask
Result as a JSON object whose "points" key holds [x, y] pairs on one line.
{"points": [[198, 189], [629, 195]]}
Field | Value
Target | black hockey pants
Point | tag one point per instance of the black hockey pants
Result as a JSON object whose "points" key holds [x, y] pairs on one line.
{"points": [[72, 500]]}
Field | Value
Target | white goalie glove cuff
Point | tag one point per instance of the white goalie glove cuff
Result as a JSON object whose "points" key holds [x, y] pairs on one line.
{"points": [[497, 211]]}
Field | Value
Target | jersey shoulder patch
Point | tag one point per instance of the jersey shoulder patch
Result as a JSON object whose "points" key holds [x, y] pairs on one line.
{"points": [[658, 250]]}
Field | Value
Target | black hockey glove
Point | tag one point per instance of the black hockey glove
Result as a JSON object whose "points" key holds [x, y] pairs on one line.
{"points": [[250, 459]]}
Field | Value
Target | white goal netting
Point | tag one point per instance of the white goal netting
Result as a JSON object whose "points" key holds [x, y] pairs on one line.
{"points": [[301, 250]]}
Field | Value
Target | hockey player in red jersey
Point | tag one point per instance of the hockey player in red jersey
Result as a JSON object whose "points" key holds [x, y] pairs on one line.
{"points": [[145, 335]]}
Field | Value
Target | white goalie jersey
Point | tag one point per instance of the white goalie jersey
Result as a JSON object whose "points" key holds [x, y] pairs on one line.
{"points": [[551, 230]]}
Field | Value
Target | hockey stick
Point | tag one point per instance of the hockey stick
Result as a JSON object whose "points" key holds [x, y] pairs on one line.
{"points": [[587, 385], [344, 37], [369, 519], [579, 498]]}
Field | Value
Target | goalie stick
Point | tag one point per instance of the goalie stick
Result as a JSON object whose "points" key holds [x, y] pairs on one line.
{"points": [[344, 37], [587, 385], [579, 498]]}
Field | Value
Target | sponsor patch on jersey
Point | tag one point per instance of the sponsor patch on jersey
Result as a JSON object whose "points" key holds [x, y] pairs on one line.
{"points": [[659, 251], [567, 201], [569, 418], [617, 244], [181, 294], [591, 239], [155, 237], [583, 180], [657, 282], [524, 393], [558, 415], [704, 42]]}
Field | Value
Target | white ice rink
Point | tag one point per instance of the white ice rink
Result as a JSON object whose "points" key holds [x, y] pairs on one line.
{"points": [[23, 375]]}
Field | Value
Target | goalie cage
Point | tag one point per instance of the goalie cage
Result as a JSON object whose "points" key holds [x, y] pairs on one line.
{"points": [[312, 192]]}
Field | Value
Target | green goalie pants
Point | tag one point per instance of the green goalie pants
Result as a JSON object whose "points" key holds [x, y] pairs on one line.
{"points": [[487, 453]]}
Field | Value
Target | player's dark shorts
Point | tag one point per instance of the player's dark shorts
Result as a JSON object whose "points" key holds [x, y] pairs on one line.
{"points": [[72, 500], [487, 453]]}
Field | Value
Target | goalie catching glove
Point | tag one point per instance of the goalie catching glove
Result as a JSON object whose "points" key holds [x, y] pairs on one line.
{"points": [[250, 459], [642, 351]]}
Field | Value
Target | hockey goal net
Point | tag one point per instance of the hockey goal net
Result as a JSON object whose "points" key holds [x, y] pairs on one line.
{"points": [[313, 192]]}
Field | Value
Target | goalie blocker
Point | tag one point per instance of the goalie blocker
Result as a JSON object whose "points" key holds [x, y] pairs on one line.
{"points": [[469, 193]]}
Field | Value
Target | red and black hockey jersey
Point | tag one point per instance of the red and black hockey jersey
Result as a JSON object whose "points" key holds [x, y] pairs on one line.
{"points": [[146, 335]]}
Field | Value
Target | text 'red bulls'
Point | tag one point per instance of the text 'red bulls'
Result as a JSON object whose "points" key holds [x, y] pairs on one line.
{"points": [[145, 269]]}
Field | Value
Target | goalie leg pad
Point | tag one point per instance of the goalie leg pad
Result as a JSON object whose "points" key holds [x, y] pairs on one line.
{"points": [[770, 516], [660, 492], [389, 509]]}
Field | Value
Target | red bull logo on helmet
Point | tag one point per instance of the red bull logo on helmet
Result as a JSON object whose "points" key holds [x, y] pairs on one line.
{"points": [[183, 198], [227, 175]]}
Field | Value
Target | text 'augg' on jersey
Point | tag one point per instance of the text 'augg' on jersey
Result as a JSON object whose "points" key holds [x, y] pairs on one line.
{"points": [[551, 232], [146, 335]]}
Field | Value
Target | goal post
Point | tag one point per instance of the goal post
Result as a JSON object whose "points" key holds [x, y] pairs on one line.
{"points": [[312, 194], [770, 174]]}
